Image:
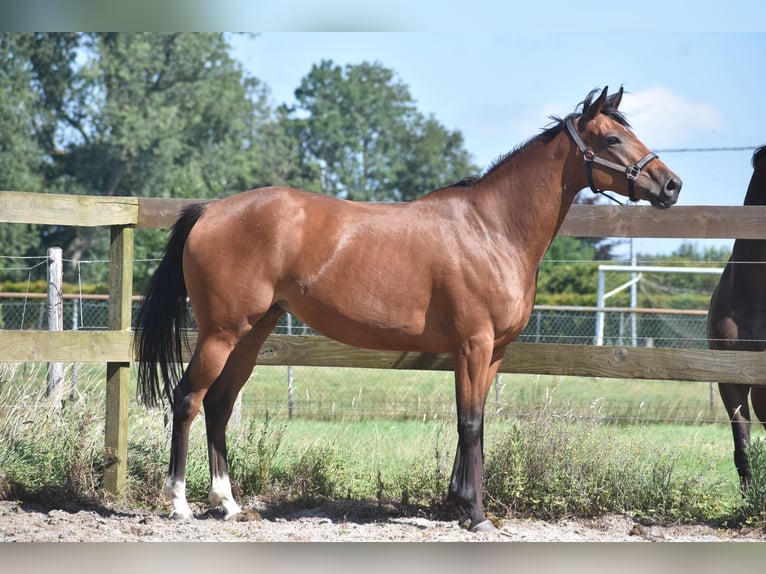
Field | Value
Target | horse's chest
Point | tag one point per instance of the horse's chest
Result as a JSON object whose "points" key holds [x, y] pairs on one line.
{"points": [[511, 306]]}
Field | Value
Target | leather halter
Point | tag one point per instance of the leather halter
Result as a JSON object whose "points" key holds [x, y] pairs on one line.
{"points": [[632, 172]]}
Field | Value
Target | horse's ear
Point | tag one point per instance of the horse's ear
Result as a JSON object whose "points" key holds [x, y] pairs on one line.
{"points": [[615, 99], [595, 108]]}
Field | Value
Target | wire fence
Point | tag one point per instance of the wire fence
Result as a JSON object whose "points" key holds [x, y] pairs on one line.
{"points": [[548, 324], [364, 393]]}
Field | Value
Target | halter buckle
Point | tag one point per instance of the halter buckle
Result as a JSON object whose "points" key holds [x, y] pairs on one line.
{"points": [[633, 172]]}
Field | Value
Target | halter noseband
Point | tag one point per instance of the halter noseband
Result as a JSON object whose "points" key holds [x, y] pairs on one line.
{"points": [[632, 172]]}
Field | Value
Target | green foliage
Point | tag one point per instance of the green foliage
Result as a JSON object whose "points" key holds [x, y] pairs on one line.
{"points": [[568, 274], [174, 115], [311, 476], [426, 481], [681, 291], [164, 115], [251, 461], [552, 467], [363, 138], [154, 115], [754, 495], [21, 155], [545, 464], [46, 451], [41, 286]]}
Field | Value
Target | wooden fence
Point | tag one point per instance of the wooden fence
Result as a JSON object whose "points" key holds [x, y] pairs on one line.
{"points": [[113, 347]]}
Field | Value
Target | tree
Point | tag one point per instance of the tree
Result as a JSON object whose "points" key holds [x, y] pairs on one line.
{"points": [[681, 290], [160, 115], [21, 157], [567, 274], [166, 115], [431, 157], [361, 136]]}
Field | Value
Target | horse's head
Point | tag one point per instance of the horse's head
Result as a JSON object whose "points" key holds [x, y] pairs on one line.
{"points": [[615, 159]]}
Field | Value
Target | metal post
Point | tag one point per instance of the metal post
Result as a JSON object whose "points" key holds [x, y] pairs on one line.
{"points": [[75, 374], [633, 293], [55, 318], [600, 305], [290, 377], [538, 325]]}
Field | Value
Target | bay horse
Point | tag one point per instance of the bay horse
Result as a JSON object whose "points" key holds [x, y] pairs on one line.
{"points": [[454, 271], [736, 321]]}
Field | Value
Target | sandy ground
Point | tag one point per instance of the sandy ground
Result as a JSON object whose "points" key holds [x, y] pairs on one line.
{"points": [[22, 522]]}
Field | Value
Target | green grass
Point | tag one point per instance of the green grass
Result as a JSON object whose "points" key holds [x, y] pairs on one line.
{"points": [[359, 393], [356, 394], [556, 446]]}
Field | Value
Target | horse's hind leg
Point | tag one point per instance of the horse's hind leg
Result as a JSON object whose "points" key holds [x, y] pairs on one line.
{"points": [[735, 399], [208, 359], [219, 402]]}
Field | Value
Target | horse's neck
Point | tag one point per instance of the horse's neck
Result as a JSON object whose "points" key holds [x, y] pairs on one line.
{"points": [[753, 249], [756, 189], [749, 250], [530, 196]]}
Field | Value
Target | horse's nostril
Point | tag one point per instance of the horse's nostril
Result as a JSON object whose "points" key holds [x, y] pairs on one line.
{"points": [[673, 185]]}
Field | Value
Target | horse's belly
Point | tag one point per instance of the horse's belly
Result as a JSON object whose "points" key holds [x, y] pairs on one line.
{"points": [[372, 328]]}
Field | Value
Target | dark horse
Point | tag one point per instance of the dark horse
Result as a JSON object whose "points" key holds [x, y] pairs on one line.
{"points": [[451, 272], [736, 320]]}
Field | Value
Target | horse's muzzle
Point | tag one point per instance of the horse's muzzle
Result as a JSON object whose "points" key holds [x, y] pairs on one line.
{"points": [[668, 194]]}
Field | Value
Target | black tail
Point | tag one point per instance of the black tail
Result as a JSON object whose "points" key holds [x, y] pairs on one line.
{"points": [[163, 315]]}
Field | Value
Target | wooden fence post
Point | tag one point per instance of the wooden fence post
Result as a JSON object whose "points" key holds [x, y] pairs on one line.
{"points": [[118, 374], [55, 374]]}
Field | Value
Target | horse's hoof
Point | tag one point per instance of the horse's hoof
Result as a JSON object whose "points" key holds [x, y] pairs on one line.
{"points": [[483, 526], [175, 515]]}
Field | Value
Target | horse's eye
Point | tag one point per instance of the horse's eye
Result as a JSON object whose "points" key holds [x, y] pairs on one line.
{"points": [[612, 140]]}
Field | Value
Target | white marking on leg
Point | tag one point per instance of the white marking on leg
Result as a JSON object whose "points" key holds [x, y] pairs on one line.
{"points": [[175, 492], [220, 495]]}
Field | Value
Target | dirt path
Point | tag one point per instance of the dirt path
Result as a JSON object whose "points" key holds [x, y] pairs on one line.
{"points": [[33, 523]]}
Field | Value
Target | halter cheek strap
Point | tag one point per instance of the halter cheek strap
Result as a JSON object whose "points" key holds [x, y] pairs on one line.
{"points": [[631, 172]]}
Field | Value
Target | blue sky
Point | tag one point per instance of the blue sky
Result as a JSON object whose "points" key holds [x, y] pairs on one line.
{"points": [[685, 90]]}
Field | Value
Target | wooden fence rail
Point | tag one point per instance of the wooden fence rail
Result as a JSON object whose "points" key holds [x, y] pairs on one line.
{"points": [[113, 347]]}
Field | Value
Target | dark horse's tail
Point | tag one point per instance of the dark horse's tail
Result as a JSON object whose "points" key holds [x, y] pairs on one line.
{"points": [[163, 315]]}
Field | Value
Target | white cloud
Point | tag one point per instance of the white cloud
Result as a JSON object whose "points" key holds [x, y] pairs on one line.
{"points": [[660, 118], [664, 119]]}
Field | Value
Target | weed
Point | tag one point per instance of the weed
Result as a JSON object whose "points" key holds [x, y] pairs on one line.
{"points": [[754, 495]]}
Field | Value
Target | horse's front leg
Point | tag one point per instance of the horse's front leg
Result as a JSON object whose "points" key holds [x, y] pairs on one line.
{"points": [[475, 368], [735, 399]]}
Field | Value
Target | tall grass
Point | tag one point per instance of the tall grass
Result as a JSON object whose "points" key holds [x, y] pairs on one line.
{"points": [[754, 496], [47, 450], [557, 466], [549, 463]]}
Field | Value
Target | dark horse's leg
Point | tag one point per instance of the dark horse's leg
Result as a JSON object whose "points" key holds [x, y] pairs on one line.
{"points": [[735, 399], [758, 400], [475, 368], [219, 403]]}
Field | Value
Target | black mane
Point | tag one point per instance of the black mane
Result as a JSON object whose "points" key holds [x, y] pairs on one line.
{"points": [[551, 131]]}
